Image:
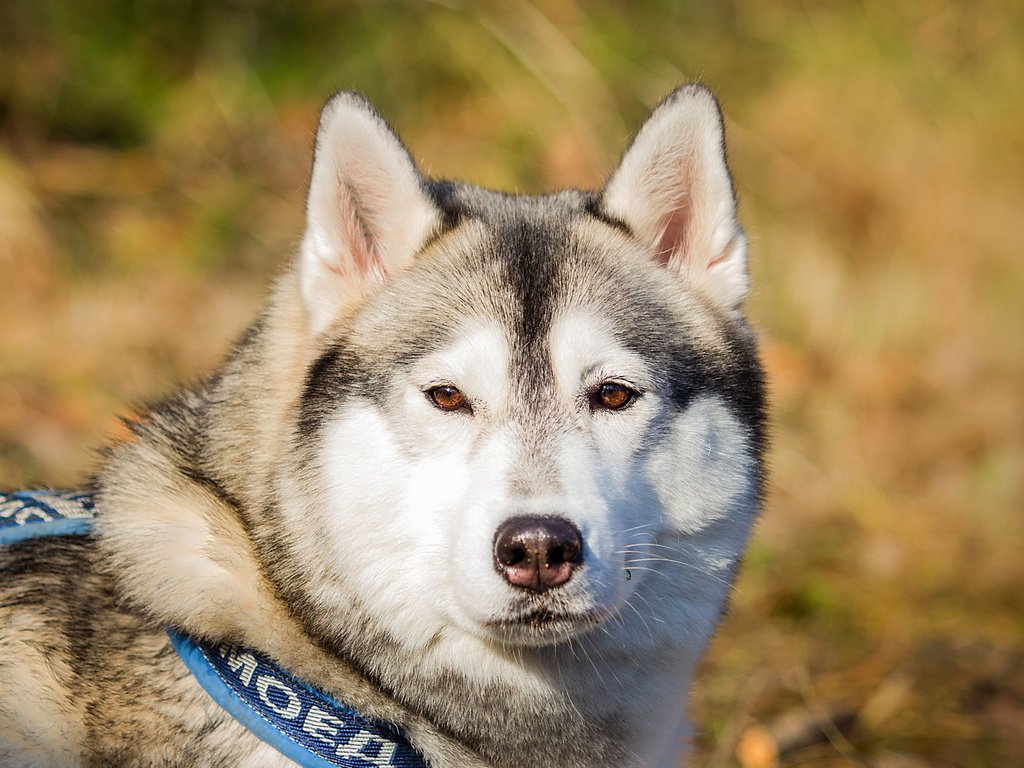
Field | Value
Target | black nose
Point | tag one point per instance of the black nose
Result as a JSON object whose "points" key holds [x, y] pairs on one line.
{"points": [[537, 553]]}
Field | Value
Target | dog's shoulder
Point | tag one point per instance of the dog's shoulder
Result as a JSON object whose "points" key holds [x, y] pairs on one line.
{"points": [[83, 674]]}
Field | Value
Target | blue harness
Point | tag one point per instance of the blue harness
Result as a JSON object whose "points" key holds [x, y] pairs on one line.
{"points": [[300, 722]]}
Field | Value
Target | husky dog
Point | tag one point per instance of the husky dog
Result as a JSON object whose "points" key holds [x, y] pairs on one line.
{"points": [[483, 469]]}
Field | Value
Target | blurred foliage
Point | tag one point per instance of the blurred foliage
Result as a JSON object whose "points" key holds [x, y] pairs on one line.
{"points": [[153, 156]]}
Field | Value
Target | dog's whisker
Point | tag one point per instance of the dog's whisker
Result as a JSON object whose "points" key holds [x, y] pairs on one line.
{"points": [[636, 527]]}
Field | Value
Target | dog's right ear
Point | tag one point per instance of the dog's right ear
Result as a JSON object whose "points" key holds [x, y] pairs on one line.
{"points": [[368, 213]]}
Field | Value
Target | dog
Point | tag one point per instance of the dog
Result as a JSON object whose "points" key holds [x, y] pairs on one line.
{"points": [[482, 472]]}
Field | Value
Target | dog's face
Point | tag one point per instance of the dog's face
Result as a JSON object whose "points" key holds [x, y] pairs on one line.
{"points": [[531, 418]]}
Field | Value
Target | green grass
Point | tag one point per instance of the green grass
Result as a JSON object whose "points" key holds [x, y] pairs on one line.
{"points": [[153, 158]]}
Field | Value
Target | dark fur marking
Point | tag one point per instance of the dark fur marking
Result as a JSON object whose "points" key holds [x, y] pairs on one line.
{"points": [[318, 396], [443, 194], [531, 270], [337, 375], [593, 204]]}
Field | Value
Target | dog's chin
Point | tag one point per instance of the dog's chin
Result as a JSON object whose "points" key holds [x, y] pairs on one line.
{"points": [[538, 626]]}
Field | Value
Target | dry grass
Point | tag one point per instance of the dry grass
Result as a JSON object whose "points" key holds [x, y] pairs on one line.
{"points": [[151, 178]]}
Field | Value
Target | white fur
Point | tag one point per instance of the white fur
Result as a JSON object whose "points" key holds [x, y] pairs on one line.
{"points": [[674, 191]]}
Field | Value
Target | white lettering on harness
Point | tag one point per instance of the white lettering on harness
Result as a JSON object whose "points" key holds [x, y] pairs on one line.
{"points": [[366, 745], [357, 745], [316, 722], [321, 725], [288, 711], [22, 516], [244, 661]]}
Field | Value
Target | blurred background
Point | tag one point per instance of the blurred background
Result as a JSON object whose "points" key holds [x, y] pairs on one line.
{"points": [[153, 159]]}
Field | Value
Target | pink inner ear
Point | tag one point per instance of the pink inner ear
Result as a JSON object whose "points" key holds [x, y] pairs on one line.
{"points": [[357, 234], [675, 234]]}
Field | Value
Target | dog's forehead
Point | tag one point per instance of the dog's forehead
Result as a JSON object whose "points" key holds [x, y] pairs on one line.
{"points": [[522, 266]]}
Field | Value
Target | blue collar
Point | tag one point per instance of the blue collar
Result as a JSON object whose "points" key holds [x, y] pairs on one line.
{"points": [[300, 722]]}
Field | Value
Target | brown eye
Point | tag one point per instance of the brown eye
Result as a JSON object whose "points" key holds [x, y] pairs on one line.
{"points": [[447, 398], [612, 396]]}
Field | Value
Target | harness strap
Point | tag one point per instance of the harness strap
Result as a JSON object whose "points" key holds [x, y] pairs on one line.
{"points": [[299, 721], [31, 514]]}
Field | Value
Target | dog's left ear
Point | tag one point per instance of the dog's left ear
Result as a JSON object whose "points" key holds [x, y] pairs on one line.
{"points": [[674, 191], [368, 212]]}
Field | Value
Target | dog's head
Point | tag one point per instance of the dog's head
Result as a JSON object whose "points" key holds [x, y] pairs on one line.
{"points": [[528, 417]]}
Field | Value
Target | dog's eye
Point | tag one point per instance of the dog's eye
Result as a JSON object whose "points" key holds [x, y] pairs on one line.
{"points": [[447, 398], [612, 396]]}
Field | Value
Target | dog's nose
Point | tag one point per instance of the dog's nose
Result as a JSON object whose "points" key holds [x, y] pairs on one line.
{"points": [[537, 553]]}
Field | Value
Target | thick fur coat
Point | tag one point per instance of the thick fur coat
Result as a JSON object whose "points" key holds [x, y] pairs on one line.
{"points": [[439, 362]]}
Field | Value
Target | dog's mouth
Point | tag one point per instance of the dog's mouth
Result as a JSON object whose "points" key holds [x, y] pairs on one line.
{"points": [[544, 624]]}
